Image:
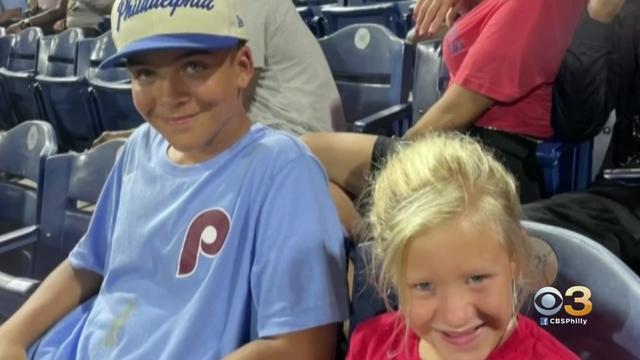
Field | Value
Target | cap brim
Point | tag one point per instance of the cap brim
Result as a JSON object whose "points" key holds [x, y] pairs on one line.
{"points": [[170, 42]]}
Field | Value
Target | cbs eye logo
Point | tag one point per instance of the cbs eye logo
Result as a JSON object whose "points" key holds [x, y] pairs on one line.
{"points": [[548, 301]]}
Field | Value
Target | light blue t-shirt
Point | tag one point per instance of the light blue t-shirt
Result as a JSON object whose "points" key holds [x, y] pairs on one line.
{"points": [[15, 4], [200, 260]]}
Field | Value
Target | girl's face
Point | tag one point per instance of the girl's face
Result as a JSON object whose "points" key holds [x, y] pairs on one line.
{"points": [[458, 293]]}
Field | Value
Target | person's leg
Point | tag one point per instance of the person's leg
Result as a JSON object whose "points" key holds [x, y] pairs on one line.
{"points": [[347, 160]]}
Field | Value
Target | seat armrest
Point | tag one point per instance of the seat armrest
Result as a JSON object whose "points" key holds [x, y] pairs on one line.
{"points": [[395, 120], [18, 238], [17, 286]]}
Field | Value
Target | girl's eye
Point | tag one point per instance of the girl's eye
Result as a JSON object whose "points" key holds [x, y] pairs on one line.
{"points": [[423, 286], [477, 279]]}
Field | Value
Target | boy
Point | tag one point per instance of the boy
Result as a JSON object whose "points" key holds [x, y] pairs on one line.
{"points": [[212, 238]]}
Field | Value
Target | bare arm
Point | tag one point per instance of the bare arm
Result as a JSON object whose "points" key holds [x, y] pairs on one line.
{"points": [[458, 109], [10, 14], [314, 344], [63, 290], [48, 17]]}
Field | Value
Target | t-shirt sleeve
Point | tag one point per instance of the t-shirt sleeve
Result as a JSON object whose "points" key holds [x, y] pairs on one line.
{"points": [[520, 48], [298, 279], [91, 251]]}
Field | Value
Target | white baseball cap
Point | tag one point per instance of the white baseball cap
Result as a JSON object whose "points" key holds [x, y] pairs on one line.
{"points": [[139, 26]]}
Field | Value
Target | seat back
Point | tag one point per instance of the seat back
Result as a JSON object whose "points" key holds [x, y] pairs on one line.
{"points": [[6, 119], [613, 325], [17, 86], [72, 185], [430, 77], [24, 50], [66, 99], [387, 15], [23, 150], [111, 91], [61, 54], [370, 66]]}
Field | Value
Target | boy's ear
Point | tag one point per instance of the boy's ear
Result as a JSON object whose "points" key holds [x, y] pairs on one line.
{"points": [[244, 67]]}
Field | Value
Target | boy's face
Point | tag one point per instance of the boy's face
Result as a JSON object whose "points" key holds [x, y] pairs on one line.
{"points": [[458, 290], [193, 98]]}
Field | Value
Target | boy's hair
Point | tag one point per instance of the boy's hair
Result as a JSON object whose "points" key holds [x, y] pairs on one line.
{"points": [[443, 176]]}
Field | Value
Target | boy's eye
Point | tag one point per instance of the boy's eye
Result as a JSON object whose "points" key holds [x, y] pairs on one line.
{"points": [[193, 67], [477, 279], [141, 74], [423, 286]]}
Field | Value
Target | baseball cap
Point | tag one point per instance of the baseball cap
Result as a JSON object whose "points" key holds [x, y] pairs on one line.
{"points": [[139, 26]]}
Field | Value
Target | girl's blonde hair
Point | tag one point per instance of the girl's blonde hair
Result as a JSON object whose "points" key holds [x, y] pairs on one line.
{"points": [[426, 183]]}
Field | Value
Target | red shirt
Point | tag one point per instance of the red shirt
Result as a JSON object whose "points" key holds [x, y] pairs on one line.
{"points": [[511, 51], [383, 338]]}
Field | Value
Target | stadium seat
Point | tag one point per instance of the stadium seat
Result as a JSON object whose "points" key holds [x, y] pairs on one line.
{"points": [[65, 95], [387, 14], [17, 78], [6, 120], [371, 67], [23, 150], [315, 23], [111, 91], [613, 326], [72, 183]]}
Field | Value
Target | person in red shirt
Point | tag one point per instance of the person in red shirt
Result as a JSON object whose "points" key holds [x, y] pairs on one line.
{"points": [[503, 56], [446, 238]]}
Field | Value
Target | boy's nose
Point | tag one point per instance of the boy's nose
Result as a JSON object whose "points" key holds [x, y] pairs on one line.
{"points": [[172, 91]]}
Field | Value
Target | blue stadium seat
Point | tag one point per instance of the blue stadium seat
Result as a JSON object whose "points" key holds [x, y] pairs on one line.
{"points": [[388, 15], [6, 120], [17, 78], [371, 67], [65, 91], [613, 326], [316, 23], [23, 150], [72, 182], [111, 91]]}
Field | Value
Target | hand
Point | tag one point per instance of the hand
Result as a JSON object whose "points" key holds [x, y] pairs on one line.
{"points": [[59, 26], [430, 15], [604, 10]]}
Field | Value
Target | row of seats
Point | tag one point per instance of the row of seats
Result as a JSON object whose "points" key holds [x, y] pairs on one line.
{"points": [[56, 78], [45, 202], [386, 85], [327, 19]]}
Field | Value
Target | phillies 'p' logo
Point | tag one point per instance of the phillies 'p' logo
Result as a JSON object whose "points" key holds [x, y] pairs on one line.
{"points": [[206, 235]]}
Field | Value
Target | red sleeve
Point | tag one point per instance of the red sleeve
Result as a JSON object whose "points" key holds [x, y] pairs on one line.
{"points": [[520, 48]]}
